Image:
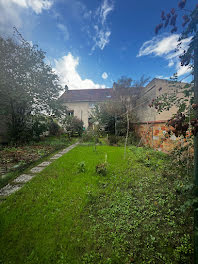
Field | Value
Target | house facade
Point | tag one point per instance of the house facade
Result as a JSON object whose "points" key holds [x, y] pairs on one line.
{"points": [[151, 125], [80, 103]]}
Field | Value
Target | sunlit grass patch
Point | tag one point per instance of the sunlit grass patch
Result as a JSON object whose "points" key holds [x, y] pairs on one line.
{"points": [[70, 215]]}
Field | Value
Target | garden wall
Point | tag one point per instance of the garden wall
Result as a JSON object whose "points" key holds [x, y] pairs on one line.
{"points": [[151, 125], [152, 134]]}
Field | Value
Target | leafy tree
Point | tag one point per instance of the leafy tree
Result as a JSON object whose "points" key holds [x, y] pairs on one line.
{"points": [[116, 114], [111, 117], [188, 58], [127, 91], [28, 86], [127, 82], [54, 128], [73, 125]]}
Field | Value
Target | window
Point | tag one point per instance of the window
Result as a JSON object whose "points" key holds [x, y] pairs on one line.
{"points": [[91, 105], [70, 112]]}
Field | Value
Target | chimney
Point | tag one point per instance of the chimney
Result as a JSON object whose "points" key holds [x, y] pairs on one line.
{"points": [[66, 88]]}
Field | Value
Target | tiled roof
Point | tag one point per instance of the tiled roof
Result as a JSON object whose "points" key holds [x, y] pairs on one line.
{"points": [[87, 95]]}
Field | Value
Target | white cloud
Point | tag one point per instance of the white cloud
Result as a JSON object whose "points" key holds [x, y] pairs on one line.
{"points": [[36, 5], [105, 9], [159, 45], [66, 68], [102, 33], [95, 24], [101, 38], [9, 17], [165, 46], [162, 77], [64, 30], [182, 70], [11, 12], [171, 63], [104, 75]]}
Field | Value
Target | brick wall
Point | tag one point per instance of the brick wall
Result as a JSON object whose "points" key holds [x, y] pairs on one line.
{"points": [[153, 134]]}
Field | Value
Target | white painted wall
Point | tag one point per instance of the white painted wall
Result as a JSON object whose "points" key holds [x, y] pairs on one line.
{"points": [[81, 110]]}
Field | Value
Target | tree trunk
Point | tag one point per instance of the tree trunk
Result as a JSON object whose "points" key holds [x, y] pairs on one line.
{"points": [[127, 133], [115, 125]]}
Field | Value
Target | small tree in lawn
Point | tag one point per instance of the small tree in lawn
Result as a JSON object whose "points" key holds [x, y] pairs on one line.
{"points": [[127, 91], [189, 57], [111, 117], [28, 86]]}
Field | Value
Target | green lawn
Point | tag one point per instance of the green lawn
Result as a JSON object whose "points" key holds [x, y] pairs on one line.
{"points": [[134, 214]]}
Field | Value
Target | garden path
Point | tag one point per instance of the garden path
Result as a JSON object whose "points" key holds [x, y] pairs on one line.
{"points": [[19, 182]]}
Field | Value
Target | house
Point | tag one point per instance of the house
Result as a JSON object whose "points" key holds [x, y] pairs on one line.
{"points": [[80, 103], [150, 125]]}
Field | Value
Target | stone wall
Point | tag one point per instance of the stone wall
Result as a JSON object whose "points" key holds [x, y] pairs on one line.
{"points": [[152, 134], [151, 125]]}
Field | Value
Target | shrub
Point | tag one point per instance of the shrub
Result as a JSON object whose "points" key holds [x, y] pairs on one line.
{"points": [[112, 139], [81, 167], [87, 136], [133, 139], [73, 125], [30, 130], [54, 128], [101, 168], [91, 136]]}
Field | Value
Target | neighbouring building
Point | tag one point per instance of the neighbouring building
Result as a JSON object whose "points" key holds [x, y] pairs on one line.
{"points": [[150, 125], [80, 103]]}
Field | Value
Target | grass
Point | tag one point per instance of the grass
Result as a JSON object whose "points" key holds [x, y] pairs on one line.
{"points": [[19, 159], [70, 214]]}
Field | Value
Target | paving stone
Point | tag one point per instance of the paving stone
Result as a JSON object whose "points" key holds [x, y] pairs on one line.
{"points": [[9, 189], [45, 164], [23, 178], [64, 151], [57, 156], [37, 169]]}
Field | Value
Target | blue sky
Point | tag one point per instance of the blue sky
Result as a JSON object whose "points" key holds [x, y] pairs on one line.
{"points": [[92, 43]]}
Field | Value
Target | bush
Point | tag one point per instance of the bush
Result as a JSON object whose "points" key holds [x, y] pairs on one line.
{"points": [[73, 125], [91, 136], [29, 130], [133, 139], [87, 136], [81, 167], [54, 128], [113, 140], [101, 169]]}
